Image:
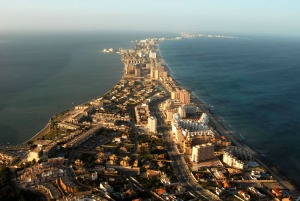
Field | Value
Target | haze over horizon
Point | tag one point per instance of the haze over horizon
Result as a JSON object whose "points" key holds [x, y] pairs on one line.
{"points": [[245, 17]]}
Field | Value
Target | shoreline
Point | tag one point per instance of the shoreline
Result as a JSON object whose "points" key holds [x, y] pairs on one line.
{"points": [[221, 126], [40, 133], [227, 132]]}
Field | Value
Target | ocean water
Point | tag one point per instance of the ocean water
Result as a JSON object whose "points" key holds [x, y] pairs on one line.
{"points": [[253, 85], [43, 74]]}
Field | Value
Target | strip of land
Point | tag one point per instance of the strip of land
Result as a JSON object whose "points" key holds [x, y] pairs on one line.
{"points": [[148, 137]]}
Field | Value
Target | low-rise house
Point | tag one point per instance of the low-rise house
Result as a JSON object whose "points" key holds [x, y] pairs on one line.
{"points": [[93, 175], [105, 187], [152, 173], [276, 192], [117, 140], [161, 192]]}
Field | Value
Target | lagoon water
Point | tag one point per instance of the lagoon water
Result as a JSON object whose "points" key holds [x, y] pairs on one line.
{"points": [[253, 85], [44, 74]]}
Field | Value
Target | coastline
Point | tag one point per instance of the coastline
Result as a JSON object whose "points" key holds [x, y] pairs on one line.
{"points": [[234, 137], [44, 131], [41, 133], [64, 76], [221, 126], [46, 128]]}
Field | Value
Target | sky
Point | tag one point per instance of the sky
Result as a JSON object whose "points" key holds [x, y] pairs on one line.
{"points": [[279, 17]]}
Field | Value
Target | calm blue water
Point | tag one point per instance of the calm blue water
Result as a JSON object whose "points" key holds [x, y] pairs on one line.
{"points": [[253, 85], [44, 74]]}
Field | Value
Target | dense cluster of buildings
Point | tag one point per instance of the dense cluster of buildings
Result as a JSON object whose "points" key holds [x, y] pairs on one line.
{"points": [[142, 114], [52, 191], [41, 172], [193, 134], [43, 149], [116, 136], [5, 159]]}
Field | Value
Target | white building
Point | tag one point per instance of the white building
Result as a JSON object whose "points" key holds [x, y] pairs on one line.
{"points": [[189, 125], [200, 133], [152, 124], [182, 111], [192, 125], [236, 157], [152, 55], [94, 175], [204, 118], [202, 152], [175, 122], [34, 154], [232, 161], [104, 186]]}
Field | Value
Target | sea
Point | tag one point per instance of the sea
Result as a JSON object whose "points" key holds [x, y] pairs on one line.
{"points": [[252, 83], [43, 74]]}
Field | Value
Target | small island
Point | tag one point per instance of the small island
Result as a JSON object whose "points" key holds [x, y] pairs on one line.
{"points": [[146, 138]]}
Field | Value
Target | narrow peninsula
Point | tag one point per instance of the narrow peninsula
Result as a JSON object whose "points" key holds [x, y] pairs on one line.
{"points": [[148, 138]]}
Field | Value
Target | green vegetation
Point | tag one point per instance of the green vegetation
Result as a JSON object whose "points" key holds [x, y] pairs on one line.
{"points": [[54, 132], [87, 158], [151, 183]]}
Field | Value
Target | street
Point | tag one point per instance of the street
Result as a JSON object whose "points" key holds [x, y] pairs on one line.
{"points": [[184, 175]]}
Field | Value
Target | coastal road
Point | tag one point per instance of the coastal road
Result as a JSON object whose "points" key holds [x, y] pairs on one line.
{"points": [[180, 167]]}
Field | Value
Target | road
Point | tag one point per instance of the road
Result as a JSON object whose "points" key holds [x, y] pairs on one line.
{"points": [[180, 167], [71, 174], [230, 136], [140, 187]]}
